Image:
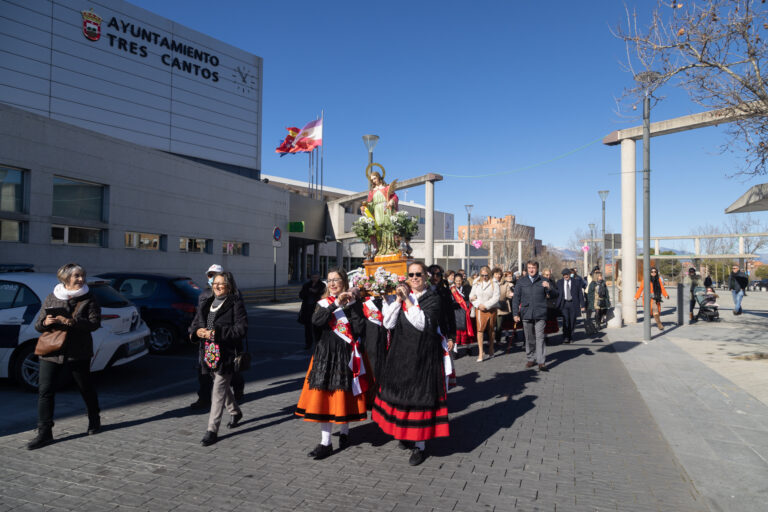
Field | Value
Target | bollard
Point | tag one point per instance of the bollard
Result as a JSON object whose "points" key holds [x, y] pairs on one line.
{"points": [[680, 307]]}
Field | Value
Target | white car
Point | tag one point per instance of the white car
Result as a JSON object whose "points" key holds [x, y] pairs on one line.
{"points": [[122, 337]]}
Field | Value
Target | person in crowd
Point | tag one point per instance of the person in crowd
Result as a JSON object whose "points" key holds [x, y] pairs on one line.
{"points": [[657, 291], [485, 298], [529, 306], [441, 287], [497, 274], [708, 281], [506, 292], [690, 283], [310, 293], [220, 325], [411, 404], [598, 300], [578, 280], [332, 392], [464, 318], [570, 303], [473, 279], [551, 326], [204, 378], [737, 283], [71, 308], [449, 276]]}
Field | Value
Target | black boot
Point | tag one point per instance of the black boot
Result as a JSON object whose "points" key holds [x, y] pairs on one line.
{"points": [[94, 425], [44, 437]]}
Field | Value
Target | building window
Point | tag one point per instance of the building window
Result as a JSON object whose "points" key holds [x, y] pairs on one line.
{"points": [[447, 251], [11, 190], [192, 244], [234, 248], [71, 235], [10, 231], [145, 241], [78, 199]]}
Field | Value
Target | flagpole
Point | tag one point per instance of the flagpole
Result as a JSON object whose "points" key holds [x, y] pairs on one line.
{"points": [[322, 119], [309, 175]]}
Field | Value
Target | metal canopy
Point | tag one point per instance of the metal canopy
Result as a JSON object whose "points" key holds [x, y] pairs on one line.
{"points": [[754, 200]]}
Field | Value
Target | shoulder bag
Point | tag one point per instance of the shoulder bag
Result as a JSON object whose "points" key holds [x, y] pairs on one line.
{"points": [[52, 341], [243, 360]]}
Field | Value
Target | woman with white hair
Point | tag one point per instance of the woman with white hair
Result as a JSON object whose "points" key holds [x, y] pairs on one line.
{"points": [[71, 309]]}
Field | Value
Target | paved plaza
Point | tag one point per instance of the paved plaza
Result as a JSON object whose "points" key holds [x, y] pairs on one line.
{"points": [[678, 424]]}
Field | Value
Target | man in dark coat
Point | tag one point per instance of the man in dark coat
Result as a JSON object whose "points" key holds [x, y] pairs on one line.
{"points": [[570, 302], [531, 294], [738, 283]]}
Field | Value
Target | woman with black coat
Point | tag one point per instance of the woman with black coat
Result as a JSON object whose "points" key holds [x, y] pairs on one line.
{"points": [[411, 403], [332, 392], [310, 293], [76, 312], [220, 325]]}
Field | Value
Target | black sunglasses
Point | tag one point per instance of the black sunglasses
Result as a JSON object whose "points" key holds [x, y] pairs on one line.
{"points": [[414, 274]]}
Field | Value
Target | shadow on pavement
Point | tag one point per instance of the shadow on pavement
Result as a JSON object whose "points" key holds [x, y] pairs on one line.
{"points": [[620, 346]]}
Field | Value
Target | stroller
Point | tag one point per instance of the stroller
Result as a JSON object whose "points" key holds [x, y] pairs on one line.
{"points": [[707, 307]]}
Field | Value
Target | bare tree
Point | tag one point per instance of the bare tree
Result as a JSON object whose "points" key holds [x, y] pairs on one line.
{"points": [[748, 224], [716, 51]]}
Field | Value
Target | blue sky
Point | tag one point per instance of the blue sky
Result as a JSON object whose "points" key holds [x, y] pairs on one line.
{"points": [[472, 88]]}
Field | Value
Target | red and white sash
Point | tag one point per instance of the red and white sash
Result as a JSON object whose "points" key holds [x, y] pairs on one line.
{"points": [[466, 307], [448, 369], [372, 313], [339, 324]]}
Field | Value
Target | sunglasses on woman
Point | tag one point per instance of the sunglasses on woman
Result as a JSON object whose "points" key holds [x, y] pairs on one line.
{"points": [[414, 274]]}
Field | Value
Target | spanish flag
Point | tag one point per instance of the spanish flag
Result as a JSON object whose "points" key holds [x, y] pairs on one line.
{"points": [[287, 144]]}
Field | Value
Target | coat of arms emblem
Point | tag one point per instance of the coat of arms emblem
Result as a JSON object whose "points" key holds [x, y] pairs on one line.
{"points": [[91, 25]]}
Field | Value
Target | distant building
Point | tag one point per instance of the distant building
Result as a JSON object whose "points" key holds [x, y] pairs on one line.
{"points": [[498, 235]]}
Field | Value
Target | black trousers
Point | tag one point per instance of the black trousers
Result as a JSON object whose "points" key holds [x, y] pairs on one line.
{"points": [[570, 314], [49, 377]]}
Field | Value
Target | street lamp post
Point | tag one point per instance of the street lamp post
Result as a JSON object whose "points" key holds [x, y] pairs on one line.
{"points": [[469, 213], [647, 79], [591, 246], [370, 143], [603, 195]]}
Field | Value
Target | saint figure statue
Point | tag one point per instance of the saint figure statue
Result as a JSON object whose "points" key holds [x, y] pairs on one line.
{"points": [[381, 204]]}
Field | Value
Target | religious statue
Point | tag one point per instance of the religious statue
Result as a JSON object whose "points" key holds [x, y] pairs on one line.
{"points": [[381, 204]]}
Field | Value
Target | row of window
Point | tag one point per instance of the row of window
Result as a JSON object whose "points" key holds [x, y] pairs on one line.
{"points": [[79, 200]]}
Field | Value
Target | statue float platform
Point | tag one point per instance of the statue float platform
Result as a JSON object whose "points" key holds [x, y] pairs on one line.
{"points": [[394, 263]]}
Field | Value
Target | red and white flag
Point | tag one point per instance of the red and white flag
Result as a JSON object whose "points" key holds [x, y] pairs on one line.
{"points": [[310, 137]]}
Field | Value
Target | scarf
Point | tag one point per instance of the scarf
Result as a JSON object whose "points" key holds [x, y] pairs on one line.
{"points": [[463, 303], [448, 369], [339, 324], [61, 293]]}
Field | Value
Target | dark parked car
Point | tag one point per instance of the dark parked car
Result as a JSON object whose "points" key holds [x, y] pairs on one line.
{"points": [[166, 302]]}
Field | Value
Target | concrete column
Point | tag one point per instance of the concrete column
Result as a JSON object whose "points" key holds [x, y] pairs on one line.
{"points": [[429, 224], [656, 247], [303, 260], [339, 254], [629, 229], [519, 255], [741, 251], [697, 246], [586, 263], [493, 261], [316, 256]]}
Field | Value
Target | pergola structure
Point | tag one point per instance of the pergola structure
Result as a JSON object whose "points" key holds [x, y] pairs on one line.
{"points": [[627, 139]]}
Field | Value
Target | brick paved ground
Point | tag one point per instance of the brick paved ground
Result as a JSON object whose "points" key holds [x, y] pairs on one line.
{"points": [[576, 438]]}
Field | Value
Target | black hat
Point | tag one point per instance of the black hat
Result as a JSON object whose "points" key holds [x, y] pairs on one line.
{"points": [[691, 270], [566, 272]]}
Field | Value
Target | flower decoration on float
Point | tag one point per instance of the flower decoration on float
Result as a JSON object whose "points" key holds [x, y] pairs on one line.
{"points": [[381, 282], [404, 225], [364, 228]]}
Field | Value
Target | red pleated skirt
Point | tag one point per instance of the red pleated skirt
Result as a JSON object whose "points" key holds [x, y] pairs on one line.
{"points": [[411, 423]]}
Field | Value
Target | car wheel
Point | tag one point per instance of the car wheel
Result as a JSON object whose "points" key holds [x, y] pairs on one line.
{"points": [[26, 367], [162, 338]]}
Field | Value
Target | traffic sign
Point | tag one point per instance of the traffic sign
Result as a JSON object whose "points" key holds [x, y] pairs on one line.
{"points": [[276, 234], [275, 243]]}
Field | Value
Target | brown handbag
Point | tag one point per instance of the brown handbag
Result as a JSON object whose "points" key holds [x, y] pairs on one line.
{"points": [[53, 341], [50, 342]]}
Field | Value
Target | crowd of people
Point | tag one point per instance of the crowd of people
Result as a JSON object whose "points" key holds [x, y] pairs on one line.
{"points": [[391, 356]]}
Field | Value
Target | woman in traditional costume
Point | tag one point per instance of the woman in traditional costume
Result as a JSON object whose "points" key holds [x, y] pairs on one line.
{"points": [[465, 330], [382, 204], [334, 389], [411, 402]]}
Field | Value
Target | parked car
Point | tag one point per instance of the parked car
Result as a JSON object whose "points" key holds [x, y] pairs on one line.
{"points": [[122, 337], [167, 304]]}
